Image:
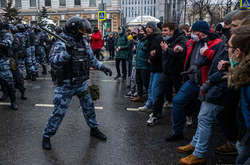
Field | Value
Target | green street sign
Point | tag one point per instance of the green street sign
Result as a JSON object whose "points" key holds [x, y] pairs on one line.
{"points": [[101, 15]]}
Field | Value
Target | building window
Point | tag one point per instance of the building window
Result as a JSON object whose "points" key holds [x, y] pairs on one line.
{"points": [[92, 3], [18, 3], [77, 2], [108, 2], [32, 3], [3, 3], [47, 2], [62, 2]]}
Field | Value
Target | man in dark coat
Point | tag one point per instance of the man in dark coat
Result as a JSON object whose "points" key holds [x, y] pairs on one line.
{"points": [[173, 56]]}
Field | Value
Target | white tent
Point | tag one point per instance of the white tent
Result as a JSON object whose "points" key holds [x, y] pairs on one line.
{"points": [[142, 20]]}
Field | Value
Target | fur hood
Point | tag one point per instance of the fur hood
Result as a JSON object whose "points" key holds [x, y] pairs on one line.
{"points": [[240, 75]]}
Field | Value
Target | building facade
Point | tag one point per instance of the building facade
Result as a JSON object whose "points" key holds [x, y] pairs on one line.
{"points": [[134, 8], [61, 10], [174, 9]]}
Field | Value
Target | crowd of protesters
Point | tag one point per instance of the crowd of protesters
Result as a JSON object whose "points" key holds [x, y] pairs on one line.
{"points": [[199, 71]]}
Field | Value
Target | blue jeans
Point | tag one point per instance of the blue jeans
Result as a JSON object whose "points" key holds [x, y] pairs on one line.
{"points": [[153, 89], [207, 116], [185, 97], [243, 157]]}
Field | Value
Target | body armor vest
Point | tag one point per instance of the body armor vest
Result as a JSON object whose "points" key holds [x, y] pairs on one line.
{"points": [[77, 69]]}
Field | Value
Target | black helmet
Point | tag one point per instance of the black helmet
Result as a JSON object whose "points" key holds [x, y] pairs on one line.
{"points": [[58, 30], [20, 27], [76, 26], [26, 26], [13, 30], [87, 26]]}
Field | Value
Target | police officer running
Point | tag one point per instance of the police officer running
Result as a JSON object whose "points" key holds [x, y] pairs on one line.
{"points": [[72, 61]]}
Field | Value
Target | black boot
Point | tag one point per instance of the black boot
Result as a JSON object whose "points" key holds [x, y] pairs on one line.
{"points": [[28, 77], [95, 132], [44, 70], [23, 96], [4, 97], [46, 143], [116, 77], [14, 106], [33, 77]]}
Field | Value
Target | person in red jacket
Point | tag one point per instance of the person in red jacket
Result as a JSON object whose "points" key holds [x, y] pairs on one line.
{"points": [[200, 51], [97, 43]]}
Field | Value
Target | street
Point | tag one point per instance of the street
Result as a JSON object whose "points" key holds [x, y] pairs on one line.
{"points": [[130, 140]]}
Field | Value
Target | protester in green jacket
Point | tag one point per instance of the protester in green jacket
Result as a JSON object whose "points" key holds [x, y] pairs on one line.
{"points": [[142, 65], [121, 47]]}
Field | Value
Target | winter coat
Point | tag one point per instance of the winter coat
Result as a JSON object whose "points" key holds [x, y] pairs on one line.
{"points": [[142, 55], [204, 62], [111, 43], [218, 92], [153, 43], [96, 41], [172, 63], [122, 42]]}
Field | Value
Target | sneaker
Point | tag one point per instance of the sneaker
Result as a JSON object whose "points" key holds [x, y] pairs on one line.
{"points": [[46, 143], [167, 105], [152, 120], [189, 121], [185, 149], [95, 132], [116, 77], [129, 94], [174, 137], [144, 109], [226, 149], [192, 160]]}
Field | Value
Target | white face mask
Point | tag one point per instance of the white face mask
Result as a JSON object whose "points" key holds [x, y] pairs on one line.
{"points": [[166, 38], [195, 37]]}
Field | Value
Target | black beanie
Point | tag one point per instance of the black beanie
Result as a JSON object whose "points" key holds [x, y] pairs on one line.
{"points": [[201, 26]]}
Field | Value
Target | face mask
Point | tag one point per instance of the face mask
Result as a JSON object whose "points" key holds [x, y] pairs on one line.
{"points": [[166, 38], [195, 37], [233, 64], [140, 36]]}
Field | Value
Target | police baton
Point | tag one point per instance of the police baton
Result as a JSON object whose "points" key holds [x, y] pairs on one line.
{"points": [[55, 35]]}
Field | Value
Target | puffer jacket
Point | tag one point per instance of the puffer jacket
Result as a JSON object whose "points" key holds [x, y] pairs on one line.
{"points": [[142, 55], [96, 41], [122, 42]]}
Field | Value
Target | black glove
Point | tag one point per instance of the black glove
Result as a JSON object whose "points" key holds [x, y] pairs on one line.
{"points": [[107, 71], [192, 69], [69, 46], [3, 45]]}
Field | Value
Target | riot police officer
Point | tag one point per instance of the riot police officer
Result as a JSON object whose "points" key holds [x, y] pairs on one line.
{"points": [[6, 77], [72, 61], [40, 52], [30, 51], [20, 45]]}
